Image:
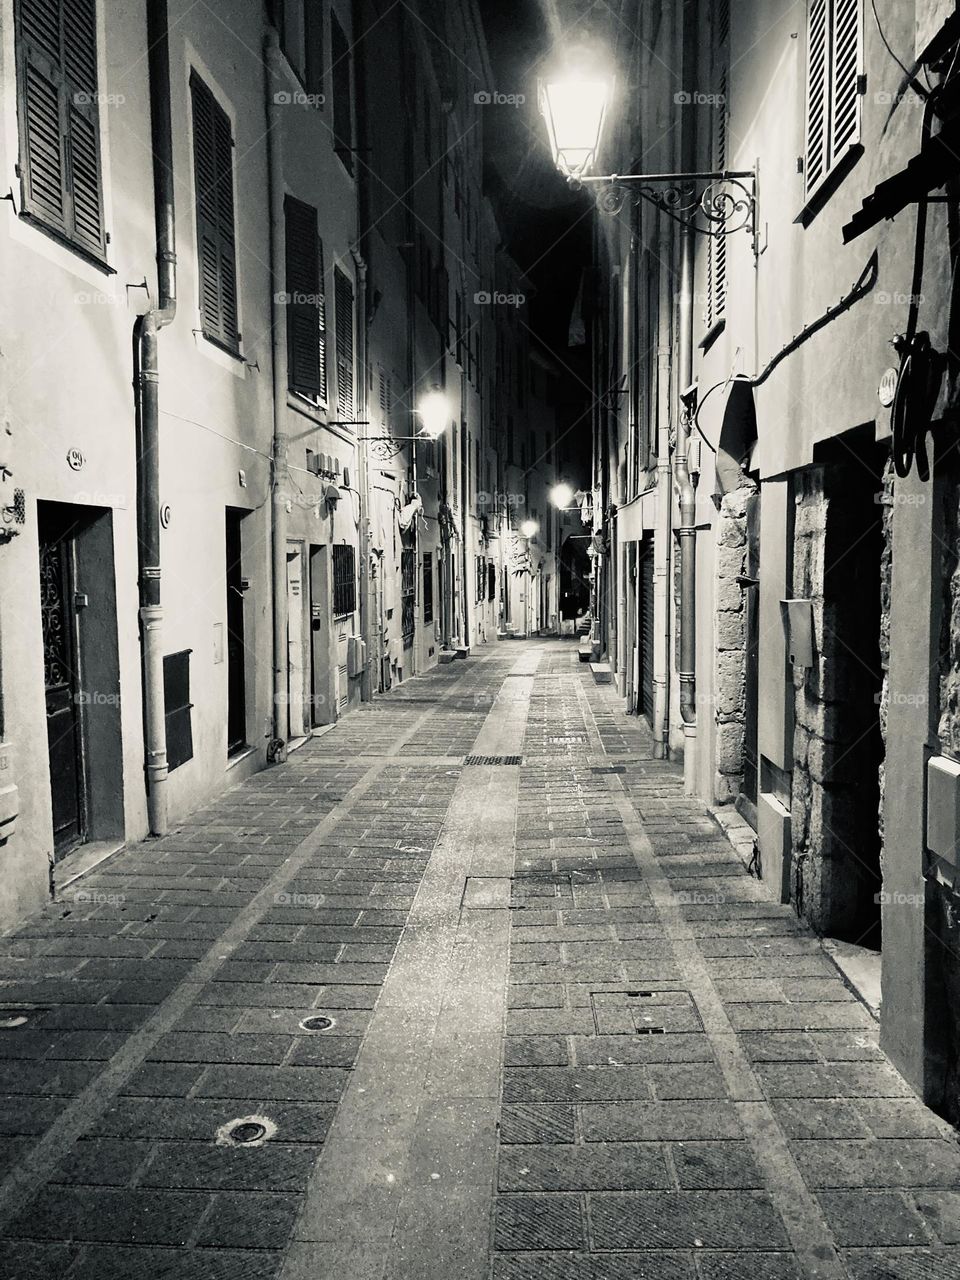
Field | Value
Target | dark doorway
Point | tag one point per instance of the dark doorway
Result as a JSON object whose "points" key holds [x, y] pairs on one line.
{"points": [[61, 674], [750, 583], [646, 610], [236, 650]]}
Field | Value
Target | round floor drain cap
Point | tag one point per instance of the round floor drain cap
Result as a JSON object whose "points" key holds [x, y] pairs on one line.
{"points": [[246, 1131], [317, 1022]]}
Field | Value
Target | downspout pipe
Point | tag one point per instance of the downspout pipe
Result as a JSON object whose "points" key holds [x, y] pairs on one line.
{"points": [[273, 73], [148, 458], [685, 487], [363, 476]]}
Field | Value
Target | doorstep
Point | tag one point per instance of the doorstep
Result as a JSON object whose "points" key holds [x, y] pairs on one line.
{"points": [[861, 968], [83, 860]]}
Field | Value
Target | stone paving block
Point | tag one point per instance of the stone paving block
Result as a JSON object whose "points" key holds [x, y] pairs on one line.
{"points": [[585, 1266], [20, 1259], [600, 1167], [748, 1266], [715, 1165], [808, 1016], [539, 1222], [872, 1218], [887, 1162], [686, 1220], [195, 1046], [111, 1263], [294, 1084], [670, 1047], [193, 1166], [103, 1162], [200, 1118], [828, 1118], [779, 1046], [531, 1022], [537, 1123], [659, 1121], [453, 1143], [163, 1080], [92, 1214], [535, 1051], [557, 1084], [682, 1080], [239, 1221], [941, 1212], [547, 995], [903, 1264]]}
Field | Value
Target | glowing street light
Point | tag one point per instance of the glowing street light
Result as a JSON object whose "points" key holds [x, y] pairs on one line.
{"points": [[529, 528], [574, 104], [435, 413], [561, 495]]}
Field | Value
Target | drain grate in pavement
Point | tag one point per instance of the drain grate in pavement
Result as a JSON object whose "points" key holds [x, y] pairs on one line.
{"points": [[493, 760], [317, 1022], [246, 1131]]}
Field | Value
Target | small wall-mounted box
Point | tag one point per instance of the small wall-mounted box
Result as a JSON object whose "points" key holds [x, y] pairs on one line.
{"points": [[943, 817], [798, 627]]}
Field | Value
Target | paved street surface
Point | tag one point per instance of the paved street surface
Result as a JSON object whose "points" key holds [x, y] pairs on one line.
{"points": [[566, 1036]]}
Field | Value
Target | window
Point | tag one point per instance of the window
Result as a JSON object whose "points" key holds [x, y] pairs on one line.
{"points": [[834, 40], [344, 304], [57, 97], [717, 243], [299, 24], [216, 235], [408, 592], [428, 586], [491, 580], [177, 707], [306, 307], [344, 581], [342, 72]]}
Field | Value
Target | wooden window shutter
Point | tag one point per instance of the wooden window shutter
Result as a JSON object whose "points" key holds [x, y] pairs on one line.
{"points": [[342, 74], [344, 320], [845, 77], [313, 47], [816, 162], [216, 235], [58, 94], [304, 300]]}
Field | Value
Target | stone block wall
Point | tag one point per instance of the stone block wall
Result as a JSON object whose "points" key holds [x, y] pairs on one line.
{"points": [[729, 678]]}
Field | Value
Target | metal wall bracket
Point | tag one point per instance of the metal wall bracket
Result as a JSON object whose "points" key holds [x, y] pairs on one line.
{"points": [[713, 204]]}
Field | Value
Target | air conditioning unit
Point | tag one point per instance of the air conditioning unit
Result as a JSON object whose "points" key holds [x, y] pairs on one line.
{"points": [[356, 656]]}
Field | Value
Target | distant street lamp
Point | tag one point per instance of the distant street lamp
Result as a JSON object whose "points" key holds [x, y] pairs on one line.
{"points": [[562, 495], [575, 103], [529, 528]]}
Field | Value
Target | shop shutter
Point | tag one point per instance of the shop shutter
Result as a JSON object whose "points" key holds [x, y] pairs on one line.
{"points": [[216, 235], [304, 300], [58, 97]]}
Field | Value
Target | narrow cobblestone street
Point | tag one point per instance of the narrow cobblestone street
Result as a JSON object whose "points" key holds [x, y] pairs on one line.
{"points": [[566, 1035]]}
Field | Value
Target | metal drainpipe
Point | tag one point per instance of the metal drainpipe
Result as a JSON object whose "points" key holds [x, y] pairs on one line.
{"points": [[363, 477], [278, 508], [148, 459], [662, 546], [464, 503], [686, 490]]}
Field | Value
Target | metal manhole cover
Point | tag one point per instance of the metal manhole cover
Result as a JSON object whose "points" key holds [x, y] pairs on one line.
{"points": [[644, 1013], [317, 1022], [500, 760]]}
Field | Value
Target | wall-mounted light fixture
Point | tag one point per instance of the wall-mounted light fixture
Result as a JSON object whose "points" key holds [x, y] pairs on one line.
{"points": [[575, 102], [436, 414]]}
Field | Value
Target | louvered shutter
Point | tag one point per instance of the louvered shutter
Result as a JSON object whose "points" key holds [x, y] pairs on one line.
{"points": [[313, 47], [844, 77], [216, 235], [818, 81], [344, 320], [342, 75], [59, 117], [304, 289]]}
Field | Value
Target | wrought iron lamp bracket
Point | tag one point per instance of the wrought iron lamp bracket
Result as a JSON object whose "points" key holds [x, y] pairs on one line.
{"points": [[384, 448], [713, 204]]}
